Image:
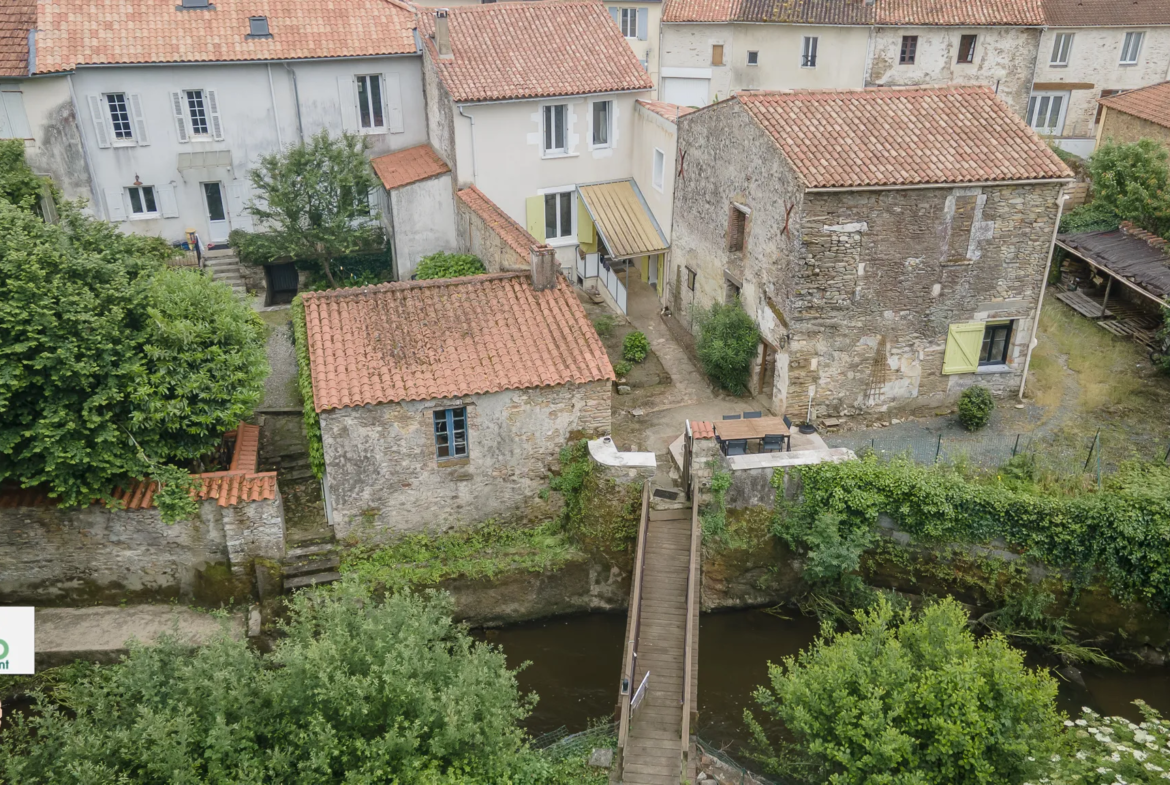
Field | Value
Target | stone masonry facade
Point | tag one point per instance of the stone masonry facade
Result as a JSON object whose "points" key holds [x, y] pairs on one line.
{"points": [[1117, 126], [384, 479]]}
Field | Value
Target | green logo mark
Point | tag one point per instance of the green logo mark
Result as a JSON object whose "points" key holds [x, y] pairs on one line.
{"points": [[3, 649]]}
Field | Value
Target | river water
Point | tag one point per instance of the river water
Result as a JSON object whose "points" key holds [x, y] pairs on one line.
{"points": [[576, 663]]}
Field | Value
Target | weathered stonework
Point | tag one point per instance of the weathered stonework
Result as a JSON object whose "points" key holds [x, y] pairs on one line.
{"points": [[383, 479], [479, 239], [1117, 126], [51, 555]]}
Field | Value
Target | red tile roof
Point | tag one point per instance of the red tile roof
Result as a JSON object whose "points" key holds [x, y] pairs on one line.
{"points": [[858, 12], [512, 233], [409, 166], [242, 483], [17, 17], [533, 50], [1106, 13], [1149, 103], [414, 341], [95, 32], [670, 112], [901, 136], [702, 429]]}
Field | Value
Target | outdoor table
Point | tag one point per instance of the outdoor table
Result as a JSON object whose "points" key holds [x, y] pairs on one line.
{"points": [[734, 430]]}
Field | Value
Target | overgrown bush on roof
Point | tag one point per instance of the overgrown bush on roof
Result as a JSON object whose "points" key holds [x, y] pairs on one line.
{"points": [[448, 265], [727, 344]]}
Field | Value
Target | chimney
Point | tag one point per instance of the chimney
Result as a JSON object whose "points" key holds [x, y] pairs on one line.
{"points": [[443, 35], [544, 267]]}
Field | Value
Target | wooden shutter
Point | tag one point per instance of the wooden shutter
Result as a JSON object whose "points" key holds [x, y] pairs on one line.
{"points": [[392, 98], [238, 194], [180, 117], [115, 207], [139, 120], [213, 115], [101, 130], [534, 207], [643, 23], [347, 97], [717, 54], [586, 232], [168, 205], [963, 343]]}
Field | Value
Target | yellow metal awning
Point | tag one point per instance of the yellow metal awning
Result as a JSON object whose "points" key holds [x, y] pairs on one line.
{"points": [[624, 221]]}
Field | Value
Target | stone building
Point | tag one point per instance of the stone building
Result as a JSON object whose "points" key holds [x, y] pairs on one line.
{"points": [[1136, 114], [445, 402], [891, 243]]}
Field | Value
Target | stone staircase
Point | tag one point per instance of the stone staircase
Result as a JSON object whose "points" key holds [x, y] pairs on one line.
{"points": [[225, 266], [312, 562]]}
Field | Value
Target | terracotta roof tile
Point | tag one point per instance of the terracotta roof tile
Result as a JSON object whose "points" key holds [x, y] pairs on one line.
{"points": [[702, 429], [533, 50], [1149, 103], [902, 136], [512, 233], [1106, 13], [414, 341], [409, 166], [17, 17], [670, 112], [94, 32], [858, 12]]}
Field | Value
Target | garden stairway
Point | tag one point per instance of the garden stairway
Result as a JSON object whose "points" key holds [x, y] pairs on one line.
{"points": [[224, 265]]}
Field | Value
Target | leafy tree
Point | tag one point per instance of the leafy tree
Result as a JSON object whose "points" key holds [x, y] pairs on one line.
{"points": [[727, 344], [19, 184], [112, 365], [312, 200], [908, 701], [448, 265], [1131, 182], [358, 691]]}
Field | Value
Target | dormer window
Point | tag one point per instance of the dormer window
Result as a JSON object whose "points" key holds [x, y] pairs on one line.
{"points": [[258, 27], [195, 4]]}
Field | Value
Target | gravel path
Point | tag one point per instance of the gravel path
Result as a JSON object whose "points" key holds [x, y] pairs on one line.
{"points": [[280, 388]]}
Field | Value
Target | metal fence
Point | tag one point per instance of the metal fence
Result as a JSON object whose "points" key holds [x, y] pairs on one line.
{"points": [[561, 744], [731, 767]]}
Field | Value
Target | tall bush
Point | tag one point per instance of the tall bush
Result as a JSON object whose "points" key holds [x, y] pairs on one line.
{"points": [[1131, 182], [727, 344]]}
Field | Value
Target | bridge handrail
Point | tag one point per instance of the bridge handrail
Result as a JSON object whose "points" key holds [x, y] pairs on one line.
{"points": [[688, 650], [630, 659], [639, 694]]}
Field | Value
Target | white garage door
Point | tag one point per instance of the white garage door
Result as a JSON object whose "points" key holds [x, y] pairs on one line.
{"points": [[684, 91]]}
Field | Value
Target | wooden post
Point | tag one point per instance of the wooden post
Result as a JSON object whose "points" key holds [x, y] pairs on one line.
{"points": [[1105, 302]]}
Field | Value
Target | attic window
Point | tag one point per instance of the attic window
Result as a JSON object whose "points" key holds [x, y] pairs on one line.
{"points": [[195, 4], [258, 27]]}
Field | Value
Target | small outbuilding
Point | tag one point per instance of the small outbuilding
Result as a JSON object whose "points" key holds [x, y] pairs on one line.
{"points": [[417, 205], [446, 402]]}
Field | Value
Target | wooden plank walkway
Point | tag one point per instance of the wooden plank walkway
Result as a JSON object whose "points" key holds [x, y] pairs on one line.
{"points": [[653, 753]]}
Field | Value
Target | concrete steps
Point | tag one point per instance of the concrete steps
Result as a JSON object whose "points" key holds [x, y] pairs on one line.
{"points": [[225, 266], [311, 562]]}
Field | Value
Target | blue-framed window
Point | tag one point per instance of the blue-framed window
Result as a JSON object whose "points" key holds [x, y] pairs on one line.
{"points": [[451, 433]]}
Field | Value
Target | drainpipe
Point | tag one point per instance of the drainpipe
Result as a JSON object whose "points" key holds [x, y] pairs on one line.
{"points": [[275, 114], [1043, 287], [474, 173], [93, 183], [297, 100]]}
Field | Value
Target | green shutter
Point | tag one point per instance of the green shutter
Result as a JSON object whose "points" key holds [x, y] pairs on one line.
{"points": [[964, 341], [586, 233], [534, 205]]}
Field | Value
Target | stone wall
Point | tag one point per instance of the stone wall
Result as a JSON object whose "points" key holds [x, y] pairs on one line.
{"points": [[56, 556], [1117, 126], [477, 238], [383, 478]]}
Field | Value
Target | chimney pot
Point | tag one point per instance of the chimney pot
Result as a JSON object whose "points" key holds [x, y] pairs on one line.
{"points": [[443, 34], [544, 267]]}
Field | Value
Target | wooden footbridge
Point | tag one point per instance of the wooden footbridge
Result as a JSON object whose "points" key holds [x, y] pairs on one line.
{"points": [[660, 669]]}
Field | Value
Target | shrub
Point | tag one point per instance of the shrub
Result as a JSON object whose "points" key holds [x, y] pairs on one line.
{"points": [[635, 347], [1133, 181], [1127, 752], [727, 344], [448, 265], [908, 699], [975, 407], [604, 325], [623, 368], [305, 385]]}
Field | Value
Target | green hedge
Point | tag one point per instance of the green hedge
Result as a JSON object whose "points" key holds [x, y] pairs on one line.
{"points": [[1121, 532], [305, 383]]}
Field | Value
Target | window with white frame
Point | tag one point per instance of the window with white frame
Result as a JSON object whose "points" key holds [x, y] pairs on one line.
{"points": [[120, 121], [197, 112], [558, 215], [753, 57], [659, 168], [1046, 112], [1061, 46], [142, 201], [602, 114], [1131, 47], [628, 21], [808, 55], [196, 115], [556, 129], [369, 98]]}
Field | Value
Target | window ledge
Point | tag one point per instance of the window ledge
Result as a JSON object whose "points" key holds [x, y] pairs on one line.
{"points": [[373, 131], [124, 143], [144, 217], [561, 242], [1058, 65], [453, 462], [994, 369], [549, 156]]}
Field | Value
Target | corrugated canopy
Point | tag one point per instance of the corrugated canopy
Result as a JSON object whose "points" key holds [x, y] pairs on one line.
{"points": [[623, 220]]}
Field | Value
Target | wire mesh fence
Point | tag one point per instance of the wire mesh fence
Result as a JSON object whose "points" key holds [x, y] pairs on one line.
{"points": [[560, 744], [732, 771]]}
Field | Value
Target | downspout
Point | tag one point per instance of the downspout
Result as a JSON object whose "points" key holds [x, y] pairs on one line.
{"points": [[870, 43], [93, 183], [1043, 287], [297, 100], [474, 171], [275, 113]]}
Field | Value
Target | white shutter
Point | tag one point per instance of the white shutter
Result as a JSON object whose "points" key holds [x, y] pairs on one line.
{"points": [[213, 116], [97, 111], [347, 96], [139, 119], [238, 193], [375, 202], [392, 95], [12, 102], [167, 203], [180, 117], [5, 125], [643, 23], [115, 206], [616, 14]]}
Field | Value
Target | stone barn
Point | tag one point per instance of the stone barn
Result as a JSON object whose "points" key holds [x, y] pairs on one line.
{"points": [[891, 243], [445, 402]]}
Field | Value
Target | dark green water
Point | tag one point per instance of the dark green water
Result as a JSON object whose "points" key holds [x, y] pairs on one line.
{"points": [[576, 662]]}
